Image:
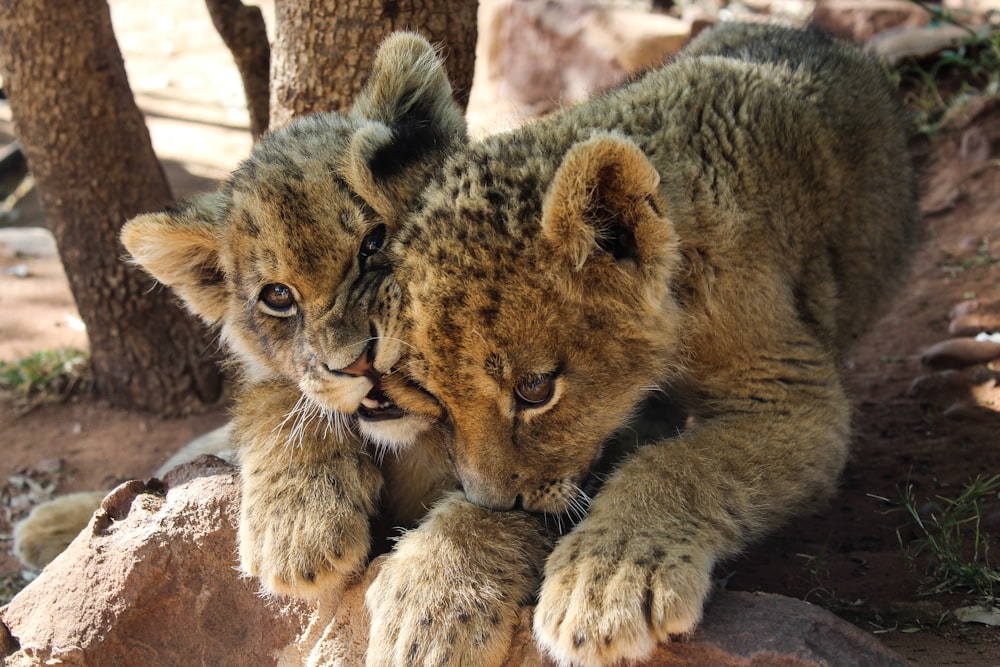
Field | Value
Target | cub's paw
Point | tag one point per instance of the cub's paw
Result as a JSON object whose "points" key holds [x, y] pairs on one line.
{"points": [[451, 591], [306, 535], [608, 595]]}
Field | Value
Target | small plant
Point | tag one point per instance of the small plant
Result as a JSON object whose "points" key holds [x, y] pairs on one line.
{"points": [[44, 376], [934, 89], [951, 542], [11, 583]]}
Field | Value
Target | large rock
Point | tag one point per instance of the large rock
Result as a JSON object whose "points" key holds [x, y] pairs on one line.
{"points": [[152, 581], [860, 20], [534, 56]]}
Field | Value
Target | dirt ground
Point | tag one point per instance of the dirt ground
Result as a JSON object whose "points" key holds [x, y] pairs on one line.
{"points": [[932, 428]]}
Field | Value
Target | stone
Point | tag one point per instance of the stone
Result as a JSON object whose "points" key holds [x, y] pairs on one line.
{"points": [[859, 20], [534, 56], [152, 582], [895, 46], [974, 316], [34, 242], [942, 387], [960, 353]]}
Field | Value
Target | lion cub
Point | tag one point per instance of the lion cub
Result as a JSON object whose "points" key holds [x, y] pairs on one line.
{"points": [[280, 258], [722, 230]]}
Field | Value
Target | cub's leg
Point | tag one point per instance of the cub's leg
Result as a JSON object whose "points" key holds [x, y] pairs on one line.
{"points": [[309, 491], [218, 442], [451, 590], [638, 569], [49, 528]]}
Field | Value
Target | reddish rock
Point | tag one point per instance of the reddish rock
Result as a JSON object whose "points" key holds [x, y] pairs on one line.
{"points": [[975, 316], [860, 20], [534, 56], [960, 353], [940, 388], [152, 582], [750, 630]]}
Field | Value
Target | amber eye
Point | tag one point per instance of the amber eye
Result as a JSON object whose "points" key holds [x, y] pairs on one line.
{"points": [[535, 390], [278, 299], [371, 244]]}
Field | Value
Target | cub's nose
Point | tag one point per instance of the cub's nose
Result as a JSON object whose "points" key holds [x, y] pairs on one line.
{"points": [[362, 366]]}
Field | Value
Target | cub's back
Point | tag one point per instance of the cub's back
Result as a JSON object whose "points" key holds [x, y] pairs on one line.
{"points": [[865, 225]]}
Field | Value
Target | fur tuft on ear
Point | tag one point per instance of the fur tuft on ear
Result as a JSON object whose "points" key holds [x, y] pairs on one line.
{"points": [[180, 248], [604, 198], [408, 83], [408, 119]]}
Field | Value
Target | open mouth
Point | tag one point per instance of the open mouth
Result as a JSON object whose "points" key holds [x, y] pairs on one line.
{"points": [[376, 406]]}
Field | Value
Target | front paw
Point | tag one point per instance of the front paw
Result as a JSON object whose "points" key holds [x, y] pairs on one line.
{"points": [[451, 591], [610, 594], [306, 535]]}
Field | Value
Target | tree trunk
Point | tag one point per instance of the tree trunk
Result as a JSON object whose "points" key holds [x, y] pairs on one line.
{"points": [[323, 50], [90, 153], [242, 29]]}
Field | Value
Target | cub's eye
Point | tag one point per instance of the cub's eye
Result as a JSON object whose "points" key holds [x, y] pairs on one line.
{"points": [[277, 300], [371, 244], [535, 390]]}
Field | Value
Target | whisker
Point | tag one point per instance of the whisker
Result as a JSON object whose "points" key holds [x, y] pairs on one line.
{"points": [[380, 450], [292, 414], [579, 505], [392, 338]]}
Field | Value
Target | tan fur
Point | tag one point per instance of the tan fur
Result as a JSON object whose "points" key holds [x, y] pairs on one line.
{"points": [[423, 591], [52, 525], [721, 229], [281, 258]]}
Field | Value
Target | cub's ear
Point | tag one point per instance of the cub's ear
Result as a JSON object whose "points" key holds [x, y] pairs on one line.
{"points": [[407, 122], [604, 200], [180, 248]]}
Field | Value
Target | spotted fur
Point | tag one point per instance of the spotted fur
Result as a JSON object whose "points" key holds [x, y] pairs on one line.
{"points": [[722, 230]]}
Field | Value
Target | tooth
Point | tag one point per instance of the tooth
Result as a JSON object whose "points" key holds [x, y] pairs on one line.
{"points": [[370, 403]]}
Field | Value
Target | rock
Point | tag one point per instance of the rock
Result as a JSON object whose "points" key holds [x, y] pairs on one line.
{"points": [[964, 10], [961, 395], [859, 20], [966, 410], [534, 56], [960, 353], [894, 46], [34, 242], [974, 316], [152, 582], [937, 388]]}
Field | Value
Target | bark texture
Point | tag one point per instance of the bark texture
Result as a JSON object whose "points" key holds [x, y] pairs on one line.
{"points": [[323, 50], [242, 29], [90, 153]]}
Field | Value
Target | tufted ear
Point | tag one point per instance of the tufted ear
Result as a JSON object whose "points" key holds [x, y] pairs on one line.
{"points": [[407, 121], [180, 248], [604, 198]]}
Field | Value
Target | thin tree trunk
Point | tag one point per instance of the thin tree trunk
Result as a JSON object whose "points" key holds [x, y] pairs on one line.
{"points": [[90, 153], [323, 50], [242, 29]]}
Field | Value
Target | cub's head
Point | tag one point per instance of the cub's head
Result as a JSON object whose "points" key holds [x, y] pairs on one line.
{"points": [[538, 302], [282, 255]]}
